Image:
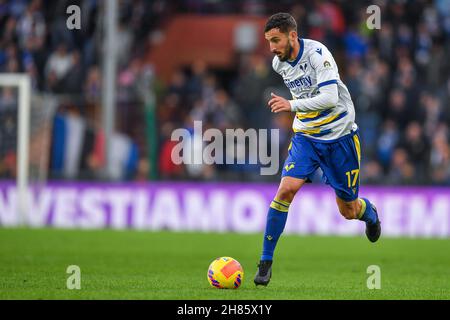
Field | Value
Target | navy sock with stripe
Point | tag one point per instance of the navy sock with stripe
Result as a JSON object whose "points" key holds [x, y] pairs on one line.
{"points": [[276, 221], [367, 214]]}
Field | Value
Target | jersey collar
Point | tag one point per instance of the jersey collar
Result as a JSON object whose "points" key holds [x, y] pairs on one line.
{"points": [[300, 53]]}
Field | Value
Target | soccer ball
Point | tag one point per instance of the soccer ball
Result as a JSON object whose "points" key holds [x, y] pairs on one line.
{"points": [[225, 273]]}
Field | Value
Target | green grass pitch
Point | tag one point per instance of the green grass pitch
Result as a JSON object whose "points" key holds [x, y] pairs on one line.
{"points": [[165, 265]]}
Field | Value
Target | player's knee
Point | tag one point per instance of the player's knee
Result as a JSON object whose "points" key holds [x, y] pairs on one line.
{"points": [[286, 193]]}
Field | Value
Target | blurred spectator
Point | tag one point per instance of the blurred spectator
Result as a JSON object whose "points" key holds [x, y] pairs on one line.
{"points": [[440, 157], [167, 168], [398, 111], [417, 146], [92, 86], [387, 142], [372, 173], [74, 78], [59, 63], [224, 112], [401, 170]]}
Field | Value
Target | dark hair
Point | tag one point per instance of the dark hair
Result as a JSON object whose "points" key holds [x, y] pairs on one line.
{"points": [[283, 21]]}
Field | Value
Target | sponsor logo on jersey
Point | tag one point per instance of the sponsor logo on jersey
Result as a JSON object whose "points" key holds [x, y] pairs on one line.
{"points": [[303, 82]]}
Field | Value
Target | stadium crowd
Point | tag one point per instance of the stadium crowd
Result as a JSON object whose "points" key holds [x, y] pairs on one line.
{"points": [[398, 76]]}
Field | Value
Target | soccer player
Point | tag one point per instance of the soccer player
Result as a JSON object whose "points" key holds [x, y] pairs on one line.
{"points": [[326, 135]]}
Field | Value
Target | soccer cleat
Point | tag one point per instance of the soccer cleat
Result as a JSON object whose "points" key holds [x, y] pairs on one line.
{"points": [[373, 231], [264, 273]]}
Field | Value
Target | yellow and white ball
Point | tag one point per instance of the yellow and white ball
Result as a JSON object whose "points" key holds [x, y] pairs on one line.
{"points": [[225, 273]]}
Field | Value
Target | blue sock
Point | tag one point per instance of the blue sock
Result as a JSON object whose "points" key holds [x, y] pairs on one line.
{"points": [[367, 214], [276, 220]]}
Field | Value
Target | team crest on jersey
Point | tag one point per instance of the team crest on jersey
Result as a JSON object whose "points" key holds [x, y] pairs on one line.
{"points": [[303, 67], [327, 64], [289, 166]]}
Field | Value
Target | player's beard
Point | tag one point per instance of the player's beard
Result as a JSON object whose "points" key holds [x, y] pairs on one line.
{"points": [[287, 52]]}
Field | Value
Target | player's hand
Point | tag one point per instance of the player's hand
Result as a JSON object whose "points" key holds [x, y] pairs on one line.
{"points": [[279, 104]]}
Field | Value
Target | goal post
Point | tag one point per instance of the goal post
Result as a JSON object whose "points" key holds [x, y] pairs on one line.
{"points": [[23, 83]]}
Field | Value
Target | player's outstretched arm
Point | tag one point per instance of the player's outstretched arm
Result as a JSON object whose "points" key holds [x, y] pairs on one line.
{"points": [[327, 98]]}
